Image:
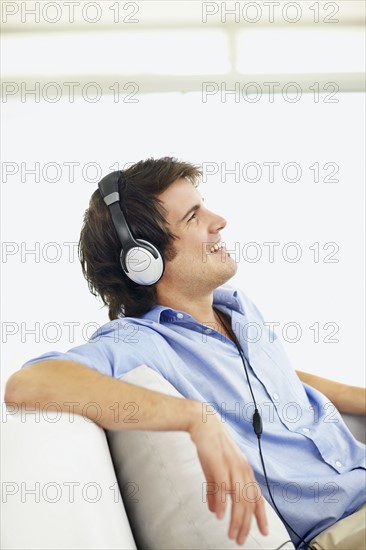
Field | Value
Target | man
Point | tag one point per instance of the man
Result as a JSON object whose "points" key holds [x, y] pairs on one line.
{"points": [[187, 326]]}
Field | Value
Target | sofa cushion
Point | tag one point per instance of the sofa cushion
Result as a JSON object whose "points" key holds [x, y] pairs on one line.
{"points": [[163, 487]]}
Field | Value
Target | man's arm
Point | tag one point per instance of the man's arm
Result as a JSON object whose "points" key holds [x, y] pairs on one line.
{"points": [[347, 399], [72, 385]]}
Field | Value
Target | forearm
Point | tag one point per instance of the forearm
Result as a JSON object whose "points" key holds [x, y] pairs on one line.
{"points": [[111, 403], [347, 399]]}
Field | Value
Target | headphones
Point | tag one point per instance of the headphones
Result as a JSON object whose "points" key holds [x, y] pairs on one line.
{"points": [[140, 260]]}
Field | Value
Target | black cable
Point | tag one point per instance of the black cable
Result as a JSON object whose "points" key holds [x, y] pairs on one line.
{"points": [[258, 429], [283, 544], [272, 499]]}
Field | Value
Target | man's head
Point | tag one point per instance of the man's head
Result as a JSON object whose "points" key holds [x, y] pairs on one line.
{"points": [[146, 203], [200, 264]]}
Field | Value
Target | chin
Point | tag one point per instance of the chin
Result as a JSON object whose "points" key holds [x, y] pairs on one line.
{"points": [[227, 273]]}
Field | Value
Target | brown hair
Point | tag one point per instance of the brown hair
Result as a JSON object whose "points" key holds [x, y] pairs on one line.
{"points": [[100, 247]]}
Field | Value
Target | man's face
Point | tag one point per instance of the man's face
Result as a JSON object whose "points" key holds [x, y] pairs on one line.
{"points": [[196, 265]]}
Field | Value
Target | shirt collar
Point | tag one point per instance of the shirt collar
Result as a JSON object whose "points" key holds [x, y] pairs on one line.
{"points": [[225, 295]]}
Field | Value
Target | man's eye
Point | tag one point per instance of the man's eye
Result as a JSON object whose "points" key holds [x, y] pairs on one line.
{"points": [[192, 217]]}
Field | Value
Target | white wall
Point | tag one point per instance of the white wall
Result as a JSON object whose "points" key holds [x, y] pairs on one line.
{"points": [[304, 212]]}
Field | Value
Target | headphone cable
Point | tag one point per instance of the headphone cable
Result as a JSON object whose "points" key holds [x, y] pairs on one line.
{"points": [[258, 426]]}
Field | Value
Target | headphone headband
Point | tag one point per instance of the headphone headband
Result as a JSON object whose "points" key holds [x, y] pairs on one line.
{"points": [[109, 190], [140, 260]]}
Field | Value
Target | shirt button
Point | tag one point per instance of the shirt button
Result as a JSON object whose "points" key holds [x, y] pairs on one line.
{"points": [[208, 330], [306, 430], [338, 464], [180, 315], [275, 396]]}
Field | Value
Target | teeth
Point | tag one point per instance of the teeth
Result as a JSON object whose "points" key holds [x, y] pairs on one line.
{"points": [[215, 247]]}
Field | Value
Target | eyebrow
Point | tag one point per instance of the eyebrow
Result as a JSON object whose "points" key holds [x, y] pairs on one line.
{"points": [[190, 211]]}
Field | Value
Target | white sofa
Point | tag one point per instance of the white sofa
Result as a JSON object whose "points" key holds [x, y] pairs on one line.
{"points": [[60, 489]]}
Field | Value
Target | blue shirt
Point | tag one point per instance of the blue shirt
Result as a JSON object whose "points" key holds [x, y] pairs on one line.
{"points": [[315, 467]]}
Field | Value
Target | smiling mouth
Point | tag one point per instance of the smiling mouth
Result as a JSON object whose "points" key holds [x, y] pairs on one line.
{"points": [[213, 249]]}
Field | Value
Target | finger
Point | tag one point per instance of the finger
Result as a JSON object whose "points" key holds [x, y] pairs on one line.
{"points": [[247, 521], [215, 505], [261, 517], [220, 498], [213, 494], [238, 509]]}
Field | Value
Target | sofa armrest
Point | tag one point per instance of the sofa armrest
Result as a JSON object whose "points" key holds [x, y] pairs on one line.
{"points": [[59, 489]]}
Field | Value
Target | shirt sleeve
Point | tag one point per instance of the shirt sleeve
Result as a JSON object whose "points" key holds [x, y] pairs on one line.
{"points": [[87, 354], [113, 350]]}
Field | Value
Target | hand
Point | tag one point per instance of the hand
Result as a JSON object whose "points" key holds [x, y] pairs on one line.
{"points": [[227, 470]]}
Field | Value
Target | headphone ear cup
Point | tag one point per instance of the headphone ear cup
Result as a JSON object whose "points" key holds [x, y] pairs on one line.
{"points": [[142, 266]]}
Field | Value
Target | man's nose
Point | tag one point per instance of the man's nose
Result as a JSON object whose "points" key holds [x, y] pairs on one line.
{"points": [[217, 223]]}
